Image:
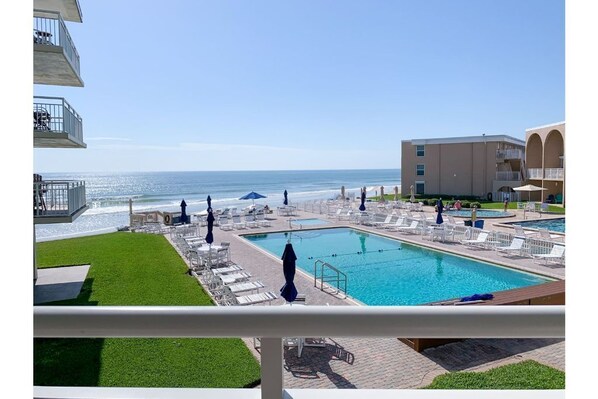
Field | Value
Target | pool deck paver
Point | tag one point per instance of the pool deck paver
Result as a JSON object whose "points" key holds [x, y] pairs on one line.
{"points": [[383, 362]]}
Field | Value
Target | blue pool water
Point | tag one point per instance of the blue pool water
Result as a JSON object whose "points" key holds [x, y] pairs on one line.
{"points": [[556, 225], [383, 271], [309, 222], [481, 213]]}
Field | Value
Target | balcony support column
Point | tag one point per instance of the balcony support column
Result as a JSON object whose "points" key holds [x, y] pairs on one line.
{"points": [[272, 377]]}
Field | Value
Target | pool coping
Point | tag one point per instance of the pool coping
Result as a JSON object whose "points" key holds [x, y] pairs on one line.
{"points": [[510, 225]]}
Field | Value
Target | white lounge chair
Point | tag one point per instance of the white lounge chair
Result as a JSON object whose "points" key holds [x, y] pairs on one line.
{"points": [[395, 225], [247, 286], [522, 233], [413, 228], [544, 234], [261, 220], [226, 223], [516, 246], [480, 241], [230, 298], [238, 223], [226, 270], [228, 279], [385, 222], [557, 254], [250, 221]]}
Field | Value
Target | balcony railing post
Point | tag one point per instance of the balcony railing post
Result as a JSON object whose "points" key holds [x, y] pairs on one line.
{"points": [[272, 377]]}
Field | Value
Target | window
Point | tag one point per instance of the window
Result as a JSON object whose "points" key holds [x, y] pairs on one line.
{"points": [[419, 150], [419, 187], [420, 170]]}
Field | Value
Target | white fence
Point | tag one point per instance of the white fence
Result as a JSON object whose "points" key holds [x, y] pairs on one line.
{"points": [[55, 114]]}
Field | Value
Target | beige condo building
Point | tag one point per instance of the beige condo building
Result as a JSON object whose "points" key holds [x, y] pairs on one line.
{"points": [[487, 166]]}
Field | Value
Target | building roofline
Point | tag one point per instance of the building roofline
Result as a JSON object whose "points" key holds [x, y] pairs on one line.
{"points": [[543, 126], [468, 139]]}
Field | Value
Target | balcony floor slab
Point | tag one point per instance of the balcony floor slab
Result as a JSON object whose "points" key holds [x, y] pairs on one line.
{"points": [[59, 283]]}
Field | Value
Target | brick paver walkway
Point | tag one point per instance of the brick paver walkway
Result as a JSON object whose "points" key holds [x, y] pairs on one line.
{"points": [[384, 362]]}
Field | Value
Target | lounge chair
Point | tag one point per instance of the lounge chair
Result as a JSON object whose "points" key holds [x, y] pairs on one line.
{"points": [[394, 226], [385, 222], [522, 233], [250, 221], [226, 270], [228, 279], [226, 223], [230, 298], [557, 254], [237, 223], [544, 234], [413, 228], [261, 220], [345, 215], [516, 246], [451, 220], [247, 286], [480, 241]]}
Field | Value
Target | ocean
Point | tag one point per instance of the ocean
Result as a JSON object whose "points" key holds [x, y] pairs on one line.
{"points": [[108, 193]]}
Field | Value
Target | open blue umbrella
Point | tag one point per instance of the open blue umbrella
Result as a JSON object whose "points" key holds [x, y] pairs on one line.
{"points": [[252, 196], [286, 200], [184, 217], [288, 290], [210, 236], [362, 206], [440, 207]]}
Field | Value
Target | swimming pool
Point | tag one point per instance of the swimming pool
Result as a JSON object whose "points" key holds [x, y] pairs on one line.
{"points": [[481, 213], [383, 271], [309, 222], [556, 225]]}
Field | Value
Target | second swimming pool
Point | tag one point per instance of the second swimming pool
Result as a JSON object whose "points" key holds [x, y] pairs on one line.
{"points": [[383, 271]]}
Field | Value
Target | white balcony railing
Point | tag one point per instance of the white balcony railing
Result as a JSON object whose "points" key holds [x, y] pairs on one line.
{"points": [[554, 173], [275, 322], [49, 30], [512, 153], [508, 176], [52, 198], [535, 173], [55, 115]]}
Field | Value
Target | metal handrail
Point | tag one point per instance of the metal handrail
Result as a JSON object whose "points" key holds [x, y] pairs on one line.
{"points": [[58, 197], [272, 323], [339, 276], [50, 30], [56, 115]]}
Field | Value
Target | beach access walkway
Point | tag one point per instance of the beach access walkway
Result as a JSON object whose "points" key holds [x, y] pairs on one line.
{"points": [[383, 363]]}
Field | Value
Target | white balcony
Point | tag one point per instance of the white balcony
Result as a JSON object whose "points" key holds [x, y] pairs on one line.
{"points": [[512, 153], [508, 176], [55, 58], [535, 173], [58, 201], [554, 173], [70, 10], [275, 322], [56, 124]]}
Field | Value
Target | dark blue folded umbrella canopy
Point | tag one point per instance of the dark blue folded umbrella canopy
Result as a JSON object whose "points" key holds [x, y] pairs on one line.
{"points": [[286, 200], [440, 207], [210, 236], [362, 206], [184, 216], [288, 291]]}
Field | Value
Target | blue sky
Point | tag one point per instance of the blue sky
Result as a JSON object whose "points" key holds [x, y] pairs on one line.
{"points": [[265, 85]]}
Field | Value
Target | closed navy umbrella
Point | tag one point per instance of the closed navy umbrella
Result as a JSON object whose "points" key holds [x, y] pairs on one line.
{"points": [[184, 216], [210, 236], [362, 206], [440, 207], [288, 290], [286, 200]]}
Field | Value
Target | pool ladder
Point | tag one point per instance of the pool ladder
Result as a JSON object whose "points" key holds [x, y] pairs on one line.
{"points": [[333, 276]]}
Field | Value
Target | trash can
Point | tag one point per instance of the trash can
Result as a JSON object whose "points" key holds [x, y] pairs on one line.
{"points": [[467, 223], [479, 224]]}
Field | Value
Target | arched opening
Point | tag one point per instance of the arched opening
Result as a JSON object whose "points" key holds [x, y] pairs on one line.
{"points": [[554, 149], [533, 152]]}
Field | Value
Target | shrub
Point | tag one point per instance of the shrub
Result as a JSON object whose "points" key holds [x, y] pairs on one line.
{"points": [[465, 204], [475, 204]]}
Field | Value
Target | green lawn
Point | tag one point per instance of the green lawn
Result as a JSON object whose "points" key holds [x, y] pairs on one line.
{"points": [[524, 375], [136, 269]]}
